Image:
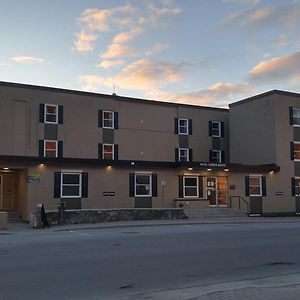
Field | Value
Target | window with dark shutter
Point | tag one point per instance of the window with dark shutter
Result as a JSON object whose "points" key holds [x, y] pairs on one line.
{"points": [[247, 185], [154, 185], [190, 155], [100, 118], [100, 151], [116, 152], [222, 157], [42, 113], [210, 156], [292, 150], [264, 186], [176, 125], [190, 127], [41, 148], [180, 186], [131, 184], [293, 182], [200, 187], [210, 128], [60, 114], [57, 181], [84, 186], [222, 129], [116, 120], [60, 149], [176, 154]]}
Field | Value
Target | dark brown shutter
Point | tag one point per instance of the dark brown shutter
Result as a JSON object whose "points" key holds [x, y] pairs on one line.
{"points": [[247, 185], [190, 155], [60, 149], [200, 187], [84, 186], [222, 156], [100, 151], [57, 179], [222, 129], [291, 115], [176, 155], [293, 182], [116, 120], [210, 128], [41, 148], [264, 186], [210, 156], [42, 113], [116, 152], [292, 150], [131, 184], [180, 186], [190, 127], [100, 117], [176, 125], [154, 185], [60, 114]]}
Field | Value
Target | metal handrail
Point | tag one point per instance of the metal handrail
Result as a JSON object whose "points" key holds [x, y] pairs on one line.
{"points": [[240, 199]]}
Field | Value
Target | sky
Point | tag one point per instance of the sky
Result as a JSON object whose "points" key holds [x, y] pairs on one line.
{"points": [[204, 52]]}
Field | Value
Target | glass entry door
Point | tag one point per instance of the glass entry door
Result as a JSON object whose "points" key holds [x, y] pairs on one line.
{"points": [[216, 190]]}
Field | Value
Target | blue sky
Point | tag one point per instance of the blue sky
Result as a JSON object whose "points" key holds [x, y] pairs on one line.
{"points": [[206, 52]]}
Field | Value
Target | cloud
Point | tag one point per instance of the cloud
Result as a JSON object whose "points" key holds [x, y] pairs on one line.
{"points": [[281, 68], [243, 2], [157, 48], [140, 75], [107, 64], [118, 47], [84, 41], [281, 42], [27, 59]]}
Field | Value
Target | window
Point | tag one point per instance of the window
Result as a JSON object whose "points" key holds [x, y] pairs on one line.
{"points": [[51, 113], [108, 119], [70, 185], [143, 185], [296, 151], [190, 186], [296, 116], [216, 129], [216, 156], [255, 185], [183, 154], [50, 148], [183, 126], [297, 186], [108, 151]]}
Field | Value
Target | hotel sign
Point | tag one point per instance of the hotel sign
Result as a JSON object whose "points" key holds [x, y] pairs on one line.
{"points": [[205, 164]]}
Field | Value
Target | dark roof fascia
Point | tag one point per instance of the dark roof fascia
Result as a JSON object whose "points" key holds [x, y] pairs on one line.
{"points": [[114, 97], [30, 160], [266, 94]]}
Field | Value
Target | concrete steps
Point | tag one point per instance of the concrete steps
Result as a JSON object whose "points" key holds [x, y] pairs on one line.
{"points": [[214, 212]]}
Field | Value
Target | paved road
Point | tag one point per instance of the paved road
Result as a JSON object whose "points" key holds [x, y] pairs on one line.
{"points": [[147, 262]]}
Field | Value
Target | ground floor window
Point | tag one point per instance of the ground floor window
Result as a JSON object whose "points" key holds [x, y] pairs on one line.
{"points": [[191, 186], [70, 185], [255, 186], [143, 185]]}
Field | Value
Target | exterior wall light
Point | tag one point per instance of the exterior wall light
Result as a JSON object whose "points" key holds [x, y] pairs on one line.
{"points": [[190, 169], [5, 168], [226, 170], [209, 169]]}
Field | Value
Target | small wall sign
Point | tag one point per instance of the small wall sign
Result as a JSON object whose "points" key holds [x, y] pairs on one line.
{"points": [[279, 193], [109, 194], [34, 177], [232, 187]]}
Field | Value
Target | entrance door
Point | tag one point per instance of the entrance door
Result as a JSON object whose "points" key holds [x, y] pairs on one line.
{"points": [[211, 190], [7, 191], [216, 189]]}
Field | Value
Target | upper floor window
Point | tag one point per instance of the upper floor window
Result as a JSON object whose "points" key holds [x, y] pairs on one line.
{"points": [[50, 148], [216, 129], [108, 151], [183, 154], [296, 151], [143, 185], [255, 185], [190, 186], [51, 113], [296, 116], [71, 185], [183, 126], [108, 119], [216, 156]]}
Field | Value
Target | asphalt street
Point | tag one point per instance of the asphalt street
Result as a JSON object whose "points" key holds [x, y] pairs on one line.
{"points": [[144, 262]]}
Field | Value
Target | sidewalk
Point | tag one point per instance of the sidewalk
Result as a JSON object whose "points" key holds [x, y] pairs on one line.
{"points": [[24, 227]]}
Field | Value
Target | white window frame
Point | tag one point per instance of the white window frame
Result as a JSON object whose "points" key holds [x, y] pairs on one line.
{"points": [[296, 159], [150, 183], [184, 195], [56, 148], [219, 126], [187, 127], [61, 183], [187, 152], [113, 150], [45, 113], [295, 108], [260, 185], [112, 121], [296, 178], [220, 156]]}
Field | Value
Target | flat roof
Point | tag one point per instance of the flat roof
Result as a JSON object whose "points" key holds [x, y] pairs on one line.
{"points": [[262, 95], [113, 96]]}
